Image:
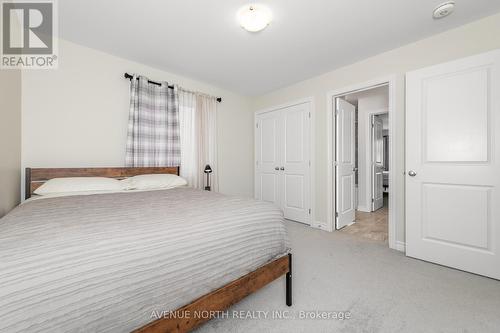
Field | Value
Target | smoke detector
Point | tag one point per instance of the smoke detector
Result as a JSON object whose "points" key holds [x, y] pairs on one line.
{"points": [[444, 9]]}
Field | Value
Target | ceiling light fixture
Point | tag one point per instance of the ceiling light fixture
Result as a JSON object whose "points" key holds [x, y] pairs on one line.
{"points": [[444, 9], [254, 17]]}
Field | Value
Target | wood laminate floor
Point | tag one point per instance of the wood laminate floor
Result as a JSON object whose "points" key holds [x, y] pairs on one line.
{"points": [[371, 225]]}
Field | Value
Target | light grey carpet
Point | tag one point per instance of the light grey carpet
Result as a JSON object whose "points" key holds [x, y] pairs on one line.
{"points": [[384, 291]]}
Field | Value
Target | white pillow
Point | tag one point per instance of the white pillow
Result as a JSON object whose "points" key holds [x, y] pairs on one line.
{"points": [[154, 182], [79, 184]]}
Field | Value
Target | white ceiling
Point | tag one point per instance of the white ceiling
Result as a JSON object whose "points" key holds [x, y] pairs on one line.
{"points": [[202, 40]]}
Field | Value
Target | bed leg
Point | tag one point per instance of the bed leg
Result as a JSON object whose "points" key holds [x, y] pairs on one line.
{"points": [[289, 281]]}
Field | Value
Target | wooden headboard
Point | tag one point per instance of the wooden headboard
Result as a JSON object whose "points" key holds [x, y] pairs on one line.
{"points": [[35, 177]]}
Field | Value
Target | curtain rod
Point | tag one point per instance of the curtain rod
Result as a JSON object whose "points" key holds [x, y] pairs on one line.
{"points": [[130, 77]]}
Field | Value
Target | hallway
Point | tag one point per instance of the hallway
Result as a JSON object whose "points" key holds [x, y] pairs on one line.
{"points": [[371, 225]]}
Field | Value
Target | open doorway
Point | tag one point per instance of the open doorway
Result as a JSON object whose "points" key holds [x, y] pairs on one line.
{"points": [[362, 154]]}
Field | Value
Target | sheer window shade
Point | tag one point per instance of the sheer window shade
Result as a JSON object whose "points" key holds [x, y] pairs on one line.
{"points": [[198, 135]]}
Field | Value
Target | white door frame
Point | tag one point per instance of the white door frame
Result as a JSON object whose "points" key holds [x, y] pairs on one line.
{"points": [[369, 155], [312, 152], [393, 192]]}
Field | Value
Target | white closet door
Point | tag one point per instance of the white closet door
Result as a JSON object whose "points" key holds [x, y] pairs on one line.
{"points": [[453, 164], [295, 199], [268, 157], [345, 182], [377, 163], [283, 160]]}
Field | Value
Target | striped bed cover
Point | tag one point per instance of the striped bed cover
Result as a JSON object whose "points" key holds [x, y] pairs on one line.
{"points": [[107, 262]]}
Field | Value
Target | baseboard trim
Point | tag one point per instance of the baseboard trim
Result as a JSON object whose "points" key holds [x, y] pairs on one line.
{"points": [[400, 246]]}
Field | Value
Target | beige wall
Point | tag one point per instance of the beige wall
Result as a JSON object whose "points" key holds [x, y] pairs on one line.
{"points": [[476, 37], [77, 116], [10, 139]]}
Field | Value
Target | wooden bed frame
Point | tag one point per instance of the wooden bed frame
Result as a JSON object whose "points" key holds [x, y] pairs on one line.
{"points": [[183, 319], [35, 177]]}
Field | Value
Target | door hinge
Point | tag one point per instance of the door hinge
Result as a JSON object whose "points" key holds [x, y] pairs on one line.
{"points": [[336, 214], [309, 163], [257, 125], [309, 211], [309, 114], [373, 200]]}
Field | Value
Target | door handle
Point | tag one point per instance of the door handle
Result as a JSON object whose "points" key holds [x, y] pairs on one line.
{"points": [[282, 168], [354, 169], [412, 173], [276, 168]]}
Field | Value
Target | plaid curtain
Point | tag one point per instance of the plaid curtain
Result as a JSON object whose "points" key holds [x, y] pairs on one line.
{"points": [[153, 127]]}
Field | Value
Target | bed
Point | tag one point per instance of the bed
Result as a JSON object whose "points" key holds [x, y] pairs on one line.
{"points": [[143, 261]]}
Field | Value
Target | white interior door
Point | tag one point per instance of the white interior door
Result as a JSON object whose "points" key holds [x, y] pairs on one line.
{"points": [[267, 153], [345, 181], [377, 163], [453, 164], [295, 166]]}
